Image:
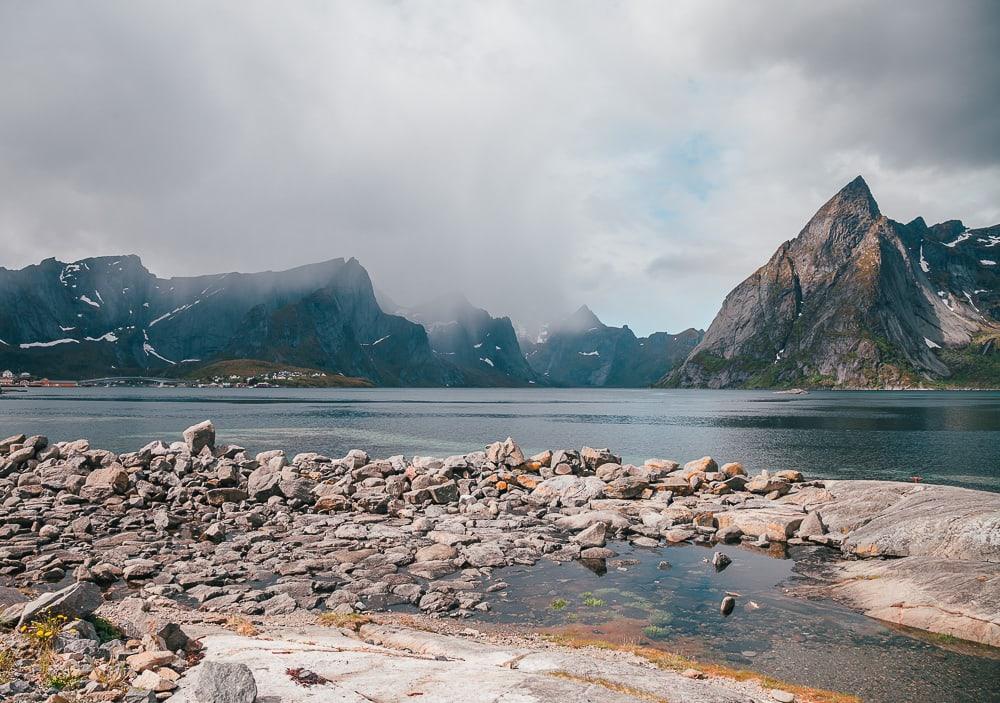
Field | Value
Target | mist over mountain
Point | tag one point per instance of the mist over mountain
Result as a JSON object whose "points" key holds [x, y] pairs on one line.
{"points": [[860, 300], [580, 350], [110, 316]]}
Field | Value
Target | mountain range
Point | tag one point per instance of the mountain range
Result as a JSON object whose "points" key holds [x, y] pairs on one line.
{"points": [[856, 300], [111, 317]]}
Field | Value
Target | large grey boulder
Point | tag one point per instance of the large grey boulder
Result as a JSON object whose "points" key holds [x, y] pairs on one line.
{"points": [[569, 490], [199, 436], [224, 682], [75, 601]]}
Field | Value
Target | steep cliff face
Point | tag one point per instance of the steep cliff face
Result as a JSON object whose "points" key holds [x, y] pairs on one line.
{"points": [[859, 300], [583, 351], [110, 316]]}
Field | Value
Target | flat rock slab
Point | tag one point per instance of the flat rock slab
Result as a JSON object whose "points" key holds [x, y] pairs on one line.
{"points": [[402, 664], [957, 598], [889, 518], [777, 523]]}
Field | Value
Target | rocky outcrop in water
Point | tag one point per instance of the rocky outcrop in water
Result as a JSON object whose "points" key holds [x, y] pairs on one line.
{"points": [[859, 300]]}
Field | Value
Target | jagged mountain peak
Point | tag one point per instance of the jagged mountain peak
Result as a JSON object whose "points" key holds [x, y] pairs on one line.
{"points": [[856, 299]]}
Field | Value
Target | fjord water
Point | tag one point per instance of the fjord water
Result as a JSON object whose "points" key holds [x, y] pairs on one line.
{"points": [[943, 437]]}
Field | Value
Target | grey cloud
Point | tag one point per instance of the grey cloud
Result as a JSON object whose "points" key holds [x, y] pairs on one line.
{"points": [[641, 157]]}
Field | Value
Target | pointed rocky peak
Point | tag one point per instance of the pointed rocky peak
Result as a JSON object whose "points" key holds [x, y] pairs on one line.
{"points": [[841, 223], [583, 320], [856, 198]]}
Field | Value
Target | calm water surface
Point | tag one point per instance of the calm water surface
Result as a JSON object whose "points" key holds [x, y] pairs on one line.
{"points": [[675, 606], [945, 437]]}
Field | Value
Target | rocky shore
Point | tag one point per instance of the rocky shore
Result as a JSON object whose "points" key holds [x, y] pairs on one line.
{"points": [[218, 535]]}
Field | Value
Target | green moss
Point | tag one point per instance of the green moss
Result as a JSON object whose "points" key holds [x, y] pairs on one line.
{"points": [[106, 630]]}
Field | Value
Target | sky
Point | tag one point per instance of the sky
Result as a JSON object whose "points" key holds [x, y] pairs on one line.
{"points": [[640, 157]]}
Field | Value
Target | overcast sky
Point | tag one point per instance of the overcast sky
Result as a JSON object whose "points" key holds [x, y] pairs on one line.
{"points": [[642, 158]]}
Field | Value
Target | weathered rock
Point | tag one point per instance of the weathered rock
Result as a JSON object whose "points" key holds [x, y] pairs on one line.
{"points": [[812, 525], [75, 601], [102, 483], [199, 436], [218, 496], [149, 660], [593, 536], [224, 682], [777, 523], [568, 490]]}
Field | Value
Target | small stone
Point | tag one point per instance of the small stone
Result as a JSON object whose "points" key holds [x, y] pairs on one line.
{"points": [[149, 660], [782, 696]]}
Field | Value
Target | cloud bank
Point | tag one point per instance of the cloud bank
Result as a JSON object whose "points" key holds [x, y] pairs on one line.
{"points": [[641, 157]]}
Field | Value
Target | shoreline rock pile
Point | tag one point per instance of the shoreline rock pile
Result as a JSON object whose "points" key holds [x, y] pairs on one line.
{"points": [[197, 522], [210, 528]]}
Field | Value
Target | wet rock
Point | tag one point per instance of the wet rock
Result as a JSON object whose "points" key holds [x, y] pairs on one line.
{"points": [[596, 553], [727, 605], [720, 561]]}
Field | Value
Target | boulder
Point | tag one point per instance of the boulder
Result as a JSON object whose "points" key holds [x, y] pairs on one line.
{"points": [[572, 491], [593, 536], [812, 525], [506, 452], [703, 466], [199, 436], [104, 482], [77, 600], [263, 483], [224, 682], [775, 523], [592, 458]]}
